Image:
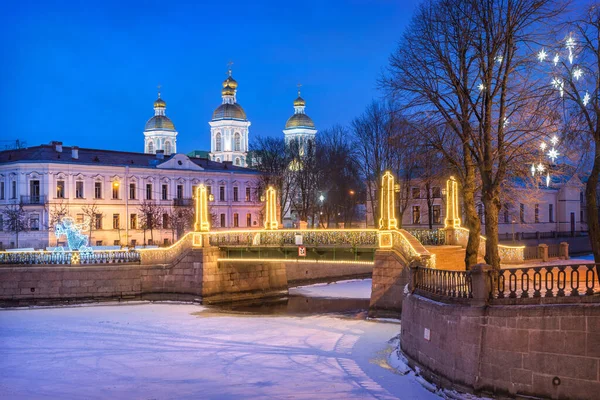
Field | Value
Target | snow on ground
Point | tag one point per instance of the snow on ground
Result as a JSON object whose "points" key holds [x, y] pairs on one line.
{"points": [[585, 259], [177, 351], [351, 289]]}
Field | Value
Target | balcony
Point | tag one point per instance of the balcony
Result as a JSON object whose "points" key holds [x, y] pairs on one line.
{"points": [[183, 202], [32, 200]]}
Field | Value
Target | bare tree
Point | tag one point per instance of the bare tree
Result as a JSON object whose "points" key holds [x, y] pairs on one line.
{"points": [[93, 216], [272, 157], [576, 79], [463, 67], [151, 217], [15, 220], [181, 219]]}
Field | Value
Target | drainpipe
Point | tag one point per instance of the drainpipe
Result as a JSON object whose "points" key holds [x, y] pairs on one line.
{"points": [[126, 204]]}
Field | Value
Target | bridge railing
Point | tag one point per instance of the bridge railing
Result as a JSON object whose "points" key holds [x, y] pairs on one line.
{"points": [[514, 286], [308, 237], [69, 257]]}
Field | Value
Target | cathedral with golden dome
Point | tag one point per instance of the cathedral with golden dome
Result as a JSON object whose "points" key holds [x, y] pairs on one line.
{"points": [[229, 128]]}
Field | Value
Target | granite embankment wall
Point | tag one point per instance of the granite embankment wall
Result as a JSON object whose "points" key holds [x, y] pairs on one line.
{"points": [[195, 275], [305, 272], [390, 276], [550, 351]]}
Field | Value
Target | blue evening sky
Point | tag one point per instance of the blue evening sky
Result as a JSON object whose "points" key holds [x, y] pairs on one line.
{"points": [[85, 72]]}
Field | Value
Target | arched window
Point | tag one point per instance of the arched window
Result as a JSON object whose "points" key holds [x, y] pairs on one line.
{"points": [[218, 142], [167, 147], [237, 143], [218, 159], [237, 161], [151, 147]]}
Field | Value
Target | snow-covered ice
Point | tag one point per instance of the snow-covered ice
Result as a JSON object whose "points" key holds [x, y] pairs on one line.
{"points": [[184, 351], [351, 289]]}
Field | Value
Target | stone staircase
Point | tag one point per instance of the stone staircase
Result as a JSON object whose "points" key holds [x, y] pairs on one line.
{"points": [[448, 257]]}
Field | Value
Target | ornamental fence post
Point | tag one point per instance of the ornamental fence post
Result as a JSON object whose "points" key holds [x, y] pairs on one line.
{"points": [[481, 283]]}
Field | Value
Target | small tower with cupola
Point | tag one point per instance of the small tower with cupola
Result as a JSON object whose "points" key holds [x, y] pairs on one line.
{"points": [[229, 127], [300, 127], [160, 133]]}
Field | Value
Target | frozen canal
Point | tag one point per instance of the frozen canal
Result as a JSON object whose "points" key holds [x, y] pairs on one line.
{"points": [[175, 351]]}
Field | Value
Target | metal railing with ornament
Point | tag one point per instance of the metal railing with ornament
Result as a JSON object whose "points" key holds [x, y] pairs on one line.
{"points": [[289, 237], [69, 257]]}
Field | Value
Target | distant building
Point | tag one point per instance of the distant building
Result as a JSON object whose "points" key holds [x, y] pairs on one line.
{"points": [[160, 133], [44, 178]]}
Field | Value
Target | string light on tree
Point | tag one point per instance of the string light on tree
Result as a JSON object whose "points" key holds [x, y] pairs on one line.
{"points": [[481, 87], [570, 45], [577, 73], [558, 84], [586, 99], [542, 55], [556, 59]]}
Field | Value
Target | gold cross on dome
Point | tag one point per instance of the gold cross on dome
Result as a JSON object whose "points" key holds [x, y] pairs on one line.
{"points": [[299, 86], [229, 64], [158, 87]]}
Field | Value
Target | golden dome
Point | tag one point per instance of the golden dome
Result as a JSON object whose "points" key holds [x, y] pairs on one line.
{"points": [[160, 103], [299, 121], [159, 123], [228, 91], [229, 111], [230, 82], [299, 102]]}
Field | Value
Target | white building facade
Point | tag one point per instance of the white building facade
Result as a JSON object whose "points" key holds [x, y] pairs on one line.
{"points": [[43, 179]]}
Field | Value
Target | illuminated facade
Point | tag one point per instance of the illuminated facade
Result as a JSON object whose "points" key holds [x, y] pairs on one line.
{"points": [[50, 177], [229, 128]]}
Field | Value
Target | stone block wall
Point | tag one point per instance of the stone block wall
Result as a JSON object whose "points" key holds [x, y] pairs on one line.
{"points": [[304, 272], [550, 351], [390, 276]]}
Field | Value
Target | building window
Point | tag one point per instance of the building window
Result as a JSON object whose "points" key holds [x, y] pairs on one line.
{"points": [[115, 190], [79, 218], [248, 219], [98, 242], [34, 222], [1, 190], [79, 190], [166, 242], [98, 221], [436, 192], [222, 193], [237, 142], [236, 220], [150, 147], [208, 190], [116, 221], [581, 197], [165, 221], [13, 189], [416, 193], [506, 216], [194, 188], [416, 215], [60, 189], [222, 220], [437, 214], [116, 242], [550, 212], [168, 148], [133, 242], [218, 142], [34, 191], [180, 191], [247, 194], [1, 222], [97, 190], [132, 191], [133, 221], [165, 192], [537, 213], [235, 193], [148, 191], [522, 212], [237, 161]]}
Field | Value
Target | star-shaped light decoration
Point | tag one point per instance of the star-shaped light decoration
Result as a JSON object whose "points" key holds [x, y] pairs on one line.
{"points": [[543, 146], [558, 84], [540, 168], [577, 73], [481, 87], [542, 55], [553, 154], [586, 99], [533, 169], [506, 122], [556, 59], [570, 45], [554, 140], [499, 59], [547, 179]]}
